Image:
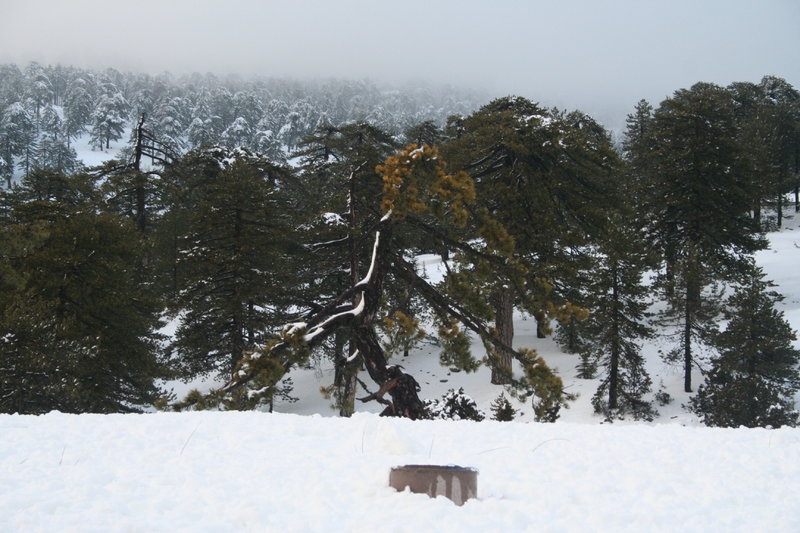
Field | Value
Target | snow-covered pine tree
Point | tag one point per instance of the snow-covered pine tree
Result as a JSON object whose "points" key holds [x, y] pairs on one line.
{"points": [[168, 124], [78, 106], [238, 134], [454, 406], [109, 117], [39, 89], [17, 138], [201, 132]]}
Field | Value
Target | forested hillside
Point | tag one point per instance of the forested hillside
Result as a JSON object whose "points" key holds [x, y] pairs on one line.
{"points": [[43, 109], [266, 266]]}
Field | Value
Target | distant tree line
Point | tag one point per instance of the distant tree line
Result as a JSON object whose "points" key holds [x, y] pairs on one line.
{"points": [[43, 109], [269, 266]]}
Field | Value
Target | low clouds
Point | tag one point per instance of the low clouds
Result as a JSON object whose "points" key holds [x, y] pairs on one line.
{"points": [[600, 57]]}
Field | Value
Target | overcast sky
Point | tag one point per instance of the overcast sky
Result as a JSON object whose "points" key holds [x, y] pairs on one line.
{"points": [[597, 56]]}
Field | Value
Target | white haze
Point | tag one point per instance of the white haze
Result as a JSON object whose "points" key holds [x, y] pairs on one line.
{"points": [[600, 57]]}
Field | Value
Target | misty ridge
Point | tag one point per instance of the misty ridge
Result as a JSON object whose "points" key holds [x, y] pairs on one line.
{"points": [[267, 115]]}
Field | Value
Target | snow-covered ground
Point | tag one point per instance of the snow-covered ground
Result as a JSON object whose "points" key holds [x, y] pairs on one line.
{"points": [[260, 472], [779, 263]]}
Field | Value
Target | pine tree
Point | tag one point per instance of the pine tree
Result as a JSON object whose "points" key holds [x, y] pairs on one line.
{"points": [[780, 110], [17, 138], [108, 118], [754, 378], [55, 153], [700, 216], [237, 134], [168, 125], [80, 324], [426, 132], [502, 410], [341, 190], [78, 106], [454, 406], [234, 259], [617, 321], [39, 89], [266, 144], [543, 176], [201, 133]]}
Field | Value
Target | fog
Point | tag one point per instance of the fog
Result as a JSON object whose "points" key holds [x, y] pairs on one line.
{"points": [[600, 57]]}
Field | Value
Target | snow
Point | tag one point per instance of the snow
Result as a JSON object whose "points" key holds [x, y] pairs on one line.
{"points": [[353, 356], [368, 277], [332, 219], [219, 472], [355, 311]]}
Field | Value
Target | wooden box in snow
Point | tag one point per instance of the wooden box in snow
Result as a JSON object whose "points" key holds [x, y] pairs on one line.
{"points": [[457, 483]]}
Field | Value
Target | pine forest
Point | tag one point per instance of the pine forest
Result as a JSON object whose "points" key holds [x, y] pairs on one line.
{"points": [[280, 224]]}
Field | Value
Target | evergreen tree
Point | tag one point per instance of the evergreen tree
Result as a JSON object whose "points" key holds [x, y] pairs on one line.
{"points": [[39, 88], [426, 132], [50, 122], [544, 176], [247, 106], [780, 111], [341, 188], [168, 124], [222, 106], [78, 106], [637, 149], [17, 138], [234, 258], [416, 193], [109, 118], [502, 410], [754, 378], [80, 325], [201, 133], [237, 134], [617, 321], [701, 221], [454, 406], [55, 153], [265, 143]]}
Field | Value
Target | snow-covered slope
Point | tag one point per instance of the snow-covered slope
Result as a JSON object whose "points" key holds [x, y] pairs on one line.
{"points": [[779, 263], [260, 472]]}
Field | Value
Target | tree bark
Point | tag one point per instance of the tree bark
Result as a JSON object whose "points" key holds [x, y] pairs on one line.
{"points": [[349, 369], [540, 324], [757, 213], [504, 323], [613, 375], [690, 309], [141, 198]]}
